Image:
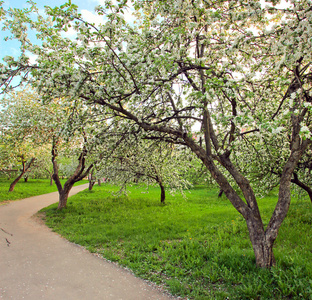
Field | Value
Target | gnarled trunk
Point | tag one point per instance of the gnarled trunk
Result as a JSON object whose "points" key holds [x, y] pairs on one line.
{"points": [[261, 244], [63, 196], [264, 254]]}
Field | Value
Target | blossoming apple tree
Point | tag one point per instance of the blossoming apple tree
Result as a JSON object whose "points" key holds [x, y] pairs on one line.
{"points": [[137, 160], [22, 141]]}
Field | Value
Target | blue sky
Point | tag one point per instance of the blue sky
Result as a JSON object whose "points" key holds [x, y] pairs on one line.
{"points": [[84, 4], [86, 7]]}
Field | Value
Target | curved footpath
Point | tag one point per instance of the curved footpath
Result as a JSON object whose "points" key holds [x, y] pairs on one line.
{"points": [[36, 263]]}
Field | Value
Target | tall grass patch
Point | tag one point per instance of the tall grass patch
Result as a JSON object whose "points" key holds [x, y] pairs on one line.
{"points": [[198, 248]]}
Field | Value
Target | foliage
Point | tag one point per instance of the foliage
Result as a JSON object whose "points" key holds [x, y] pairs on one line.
{"points": [[23, 129], [140, 161], [197, 248]]}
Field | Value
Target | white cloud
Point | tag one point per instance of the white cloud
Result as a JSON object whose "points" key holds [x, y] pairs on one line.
{"points": [[91, 17], [32, 57], [70, 33], [127, 12]]}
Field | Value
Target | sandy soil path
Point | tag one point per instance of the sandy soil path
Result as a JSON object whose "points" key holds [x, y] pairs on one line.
{"points": [[36, 263]]}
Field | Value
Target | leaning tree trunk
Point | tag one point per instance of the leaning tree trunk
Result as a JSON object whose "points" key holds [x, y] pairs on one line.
{"points": [[13, 184], [23, 171], [302, 185]]}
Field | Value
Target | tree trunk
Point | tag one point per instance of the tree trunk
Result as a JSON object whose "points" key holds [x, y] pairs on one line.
{"points": [[23, 171], [163, 193], [13, 184], [264, 254], [63, 196], [302, 185], [78, 175], [262, 246], [26, 179], [91, 181], [99, 182], [91, 184], [51, 179]]}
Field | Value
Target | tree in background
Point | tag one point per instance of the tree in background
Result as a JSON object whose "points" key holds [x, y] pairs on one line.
{"points": [[208, 68], [23, 140], [30, 129], [137, 160]]}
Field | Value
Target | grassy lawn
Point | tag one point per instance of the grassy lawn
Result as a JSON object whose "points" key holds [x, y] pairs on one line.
{"points": [[197, 248], [23, 189]]}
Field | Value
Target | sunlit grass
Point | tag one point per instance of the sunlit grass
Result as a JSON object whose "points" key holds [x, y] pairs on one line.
{"points": [[196, 247], [32, 187]]}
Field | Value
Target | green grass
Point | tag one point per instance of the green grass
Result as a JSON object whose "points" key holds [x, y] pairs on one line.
{"points": [[23, 189], [196, 248]]}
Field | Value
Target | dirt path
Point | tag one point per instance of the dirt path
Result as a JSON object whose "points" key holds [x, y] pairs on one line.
{"points": [[36, 263]]}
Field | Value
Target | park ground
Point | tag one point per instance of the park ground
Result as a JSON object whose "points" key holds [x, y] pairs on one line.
{"points": [[195, 246]]}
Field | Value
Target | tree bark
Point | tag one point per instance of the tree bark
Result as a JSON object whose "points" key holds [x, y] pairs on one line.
{"points": [[99, 182], [91, 184], [264, 255], [63, 196], [302, 185], [78, 175], [91, 181], [13, 184], [25, 168], [262, 246], [162, 193]]}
